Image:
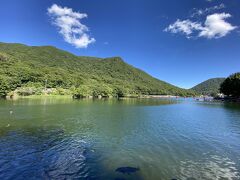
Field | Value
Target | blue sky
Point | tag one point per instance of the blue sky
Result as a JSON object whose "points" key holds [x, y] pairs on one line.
{"points": [[181, 42]]}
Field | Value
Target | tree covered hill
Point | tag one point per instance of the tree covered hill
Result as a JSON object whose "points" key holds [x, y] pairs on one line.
{"points": [[22, 65], [209, 87], [231, 86]]}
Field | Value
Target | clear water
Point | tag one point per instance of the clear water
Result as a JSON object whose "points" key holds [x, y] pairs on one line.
{"points": [[89, 139]]}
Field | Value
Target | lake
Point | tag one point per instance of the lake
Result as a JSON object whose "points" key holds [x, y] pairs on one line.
{"points": [[61, 138]]}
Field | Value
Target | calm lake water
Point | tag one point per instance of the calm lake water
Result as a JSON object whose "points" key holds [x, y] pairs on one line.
{"points": [[89, 139]]}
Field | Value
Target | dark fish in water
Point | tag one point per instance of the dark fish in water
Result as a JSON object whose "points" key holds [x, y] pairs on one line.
{"points": [[127, 170]]}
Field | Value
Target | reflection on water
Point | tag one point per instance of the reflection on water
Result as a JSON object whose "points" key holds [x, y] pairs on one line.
{"points": [[146, 138], [68, 100], [45, 153], [212, 167]]}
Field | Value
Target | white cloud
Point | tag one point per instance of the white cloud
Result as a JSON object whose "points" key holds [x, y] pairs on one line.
{"points": [[185, 27], [70, 27], [215, 26]]}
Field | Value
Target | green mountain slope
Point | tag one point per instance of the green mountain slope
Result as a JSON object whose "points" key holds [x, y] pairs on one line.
{"points": [[22, 65], [209, 87]]}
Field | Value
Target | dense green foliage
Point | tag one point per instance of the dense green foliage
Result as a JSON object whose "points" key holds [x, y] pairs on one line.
{"points": [[209, 87], [231, 86], [48, 67]]}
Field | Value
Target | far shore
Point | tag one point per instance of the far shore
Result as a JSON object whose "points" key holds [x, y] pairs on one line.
{"points": [[198, 98], [70, 96], [38, 96]]}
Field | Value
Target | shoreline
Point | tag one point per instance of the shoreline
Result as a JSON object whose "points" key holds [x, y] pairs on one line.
{"points": [[226, 99], [37, 96], [70, 96], [197, 98]]}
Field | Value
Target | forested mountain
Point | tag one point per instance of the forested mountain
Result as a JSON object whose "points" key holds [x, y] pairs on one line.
{"points": [[209, 87], [32, 66], [231, 86]]}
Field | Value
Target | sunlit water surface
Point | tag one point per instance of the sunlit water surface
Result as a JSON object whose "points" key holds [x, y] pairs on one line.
{"points": [[51, 138]]}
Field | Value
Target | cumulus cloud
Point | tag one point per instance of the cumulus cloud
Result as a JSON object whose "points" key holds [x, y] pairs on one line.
{"points": [[70, 26], [215, 26]]}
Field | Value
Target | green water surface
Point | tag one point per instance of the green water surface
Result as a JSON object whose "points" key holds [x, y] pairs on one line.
{"points": [[49, 138]]}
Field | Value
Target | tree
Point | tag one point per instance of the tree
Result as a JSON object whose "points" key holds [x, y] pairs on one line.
{"points": [[231, 86], [82, 92], [3, 57], [102, 90], [6, 85], [120, 92]]}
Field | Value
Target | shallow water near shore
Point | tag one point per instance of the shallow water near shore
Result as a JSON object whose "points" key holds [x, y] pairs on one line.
{"points": [[49, 138]]}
